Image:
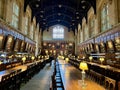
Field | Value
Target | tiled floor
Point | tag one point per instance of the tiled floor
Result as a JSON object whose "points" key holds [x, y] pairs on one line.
{"points": [[41, 80]]}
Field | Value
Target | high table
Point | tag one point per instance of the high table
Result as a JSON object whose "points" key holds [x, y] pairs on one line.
{"points": [[71, 78]]}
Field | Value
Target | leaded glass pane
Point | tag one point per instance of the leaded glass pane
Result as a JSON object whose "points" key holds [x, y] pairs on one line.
{"points": [[58, 32]]}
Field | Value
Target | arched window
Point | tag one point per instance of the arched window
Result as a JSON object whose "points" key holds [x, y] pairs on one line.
{"points": [[92, 24], [86, 32], [26, 25], [81, 35], [1, 8], [31, 32], [58, 32], [79, 32], [15, 15], [105, 18], [35, 37]]}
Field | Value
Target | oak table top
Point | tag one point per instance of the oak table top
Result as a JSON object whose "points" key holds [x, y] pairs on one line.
{"points": [[22, 67], [71, 78], [105, 66]]}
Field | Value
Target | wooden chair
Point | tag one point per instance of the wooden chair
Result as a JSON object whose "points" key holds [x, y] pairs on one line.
{"points": [[5, 82], [51, 86], [18, 79], [118, 85], [100, 78], [12, 80], [56, 79], [110, 84], [56, 84]]}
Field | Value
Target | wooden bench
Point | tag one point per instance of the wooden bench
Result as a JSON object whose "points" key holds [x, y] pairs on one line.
{"points": [[56, 80]]}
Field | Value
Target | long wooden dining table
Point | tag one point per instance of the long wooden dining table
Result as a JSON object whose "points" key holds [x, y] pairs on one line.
{"points": [[22, 67], [71, 78], [105, 66]]}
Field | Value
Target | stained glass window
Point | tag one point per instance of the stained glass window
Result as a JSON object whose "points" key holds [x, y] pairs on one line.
{"points": [[58, 32]]}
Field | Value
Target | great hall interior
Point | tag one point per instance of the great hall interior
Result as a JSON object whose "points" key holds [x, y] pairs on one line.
{"points": [[59, 44]]}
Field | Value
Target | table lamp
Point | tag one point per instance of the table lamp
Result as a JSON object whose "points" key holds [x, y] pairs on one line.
{"points": [[101, 59], [1, 62], [66, 59], [83, 57], [83, 66], [23, 59], [32, 57], [39, 57], [90, 58]]}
